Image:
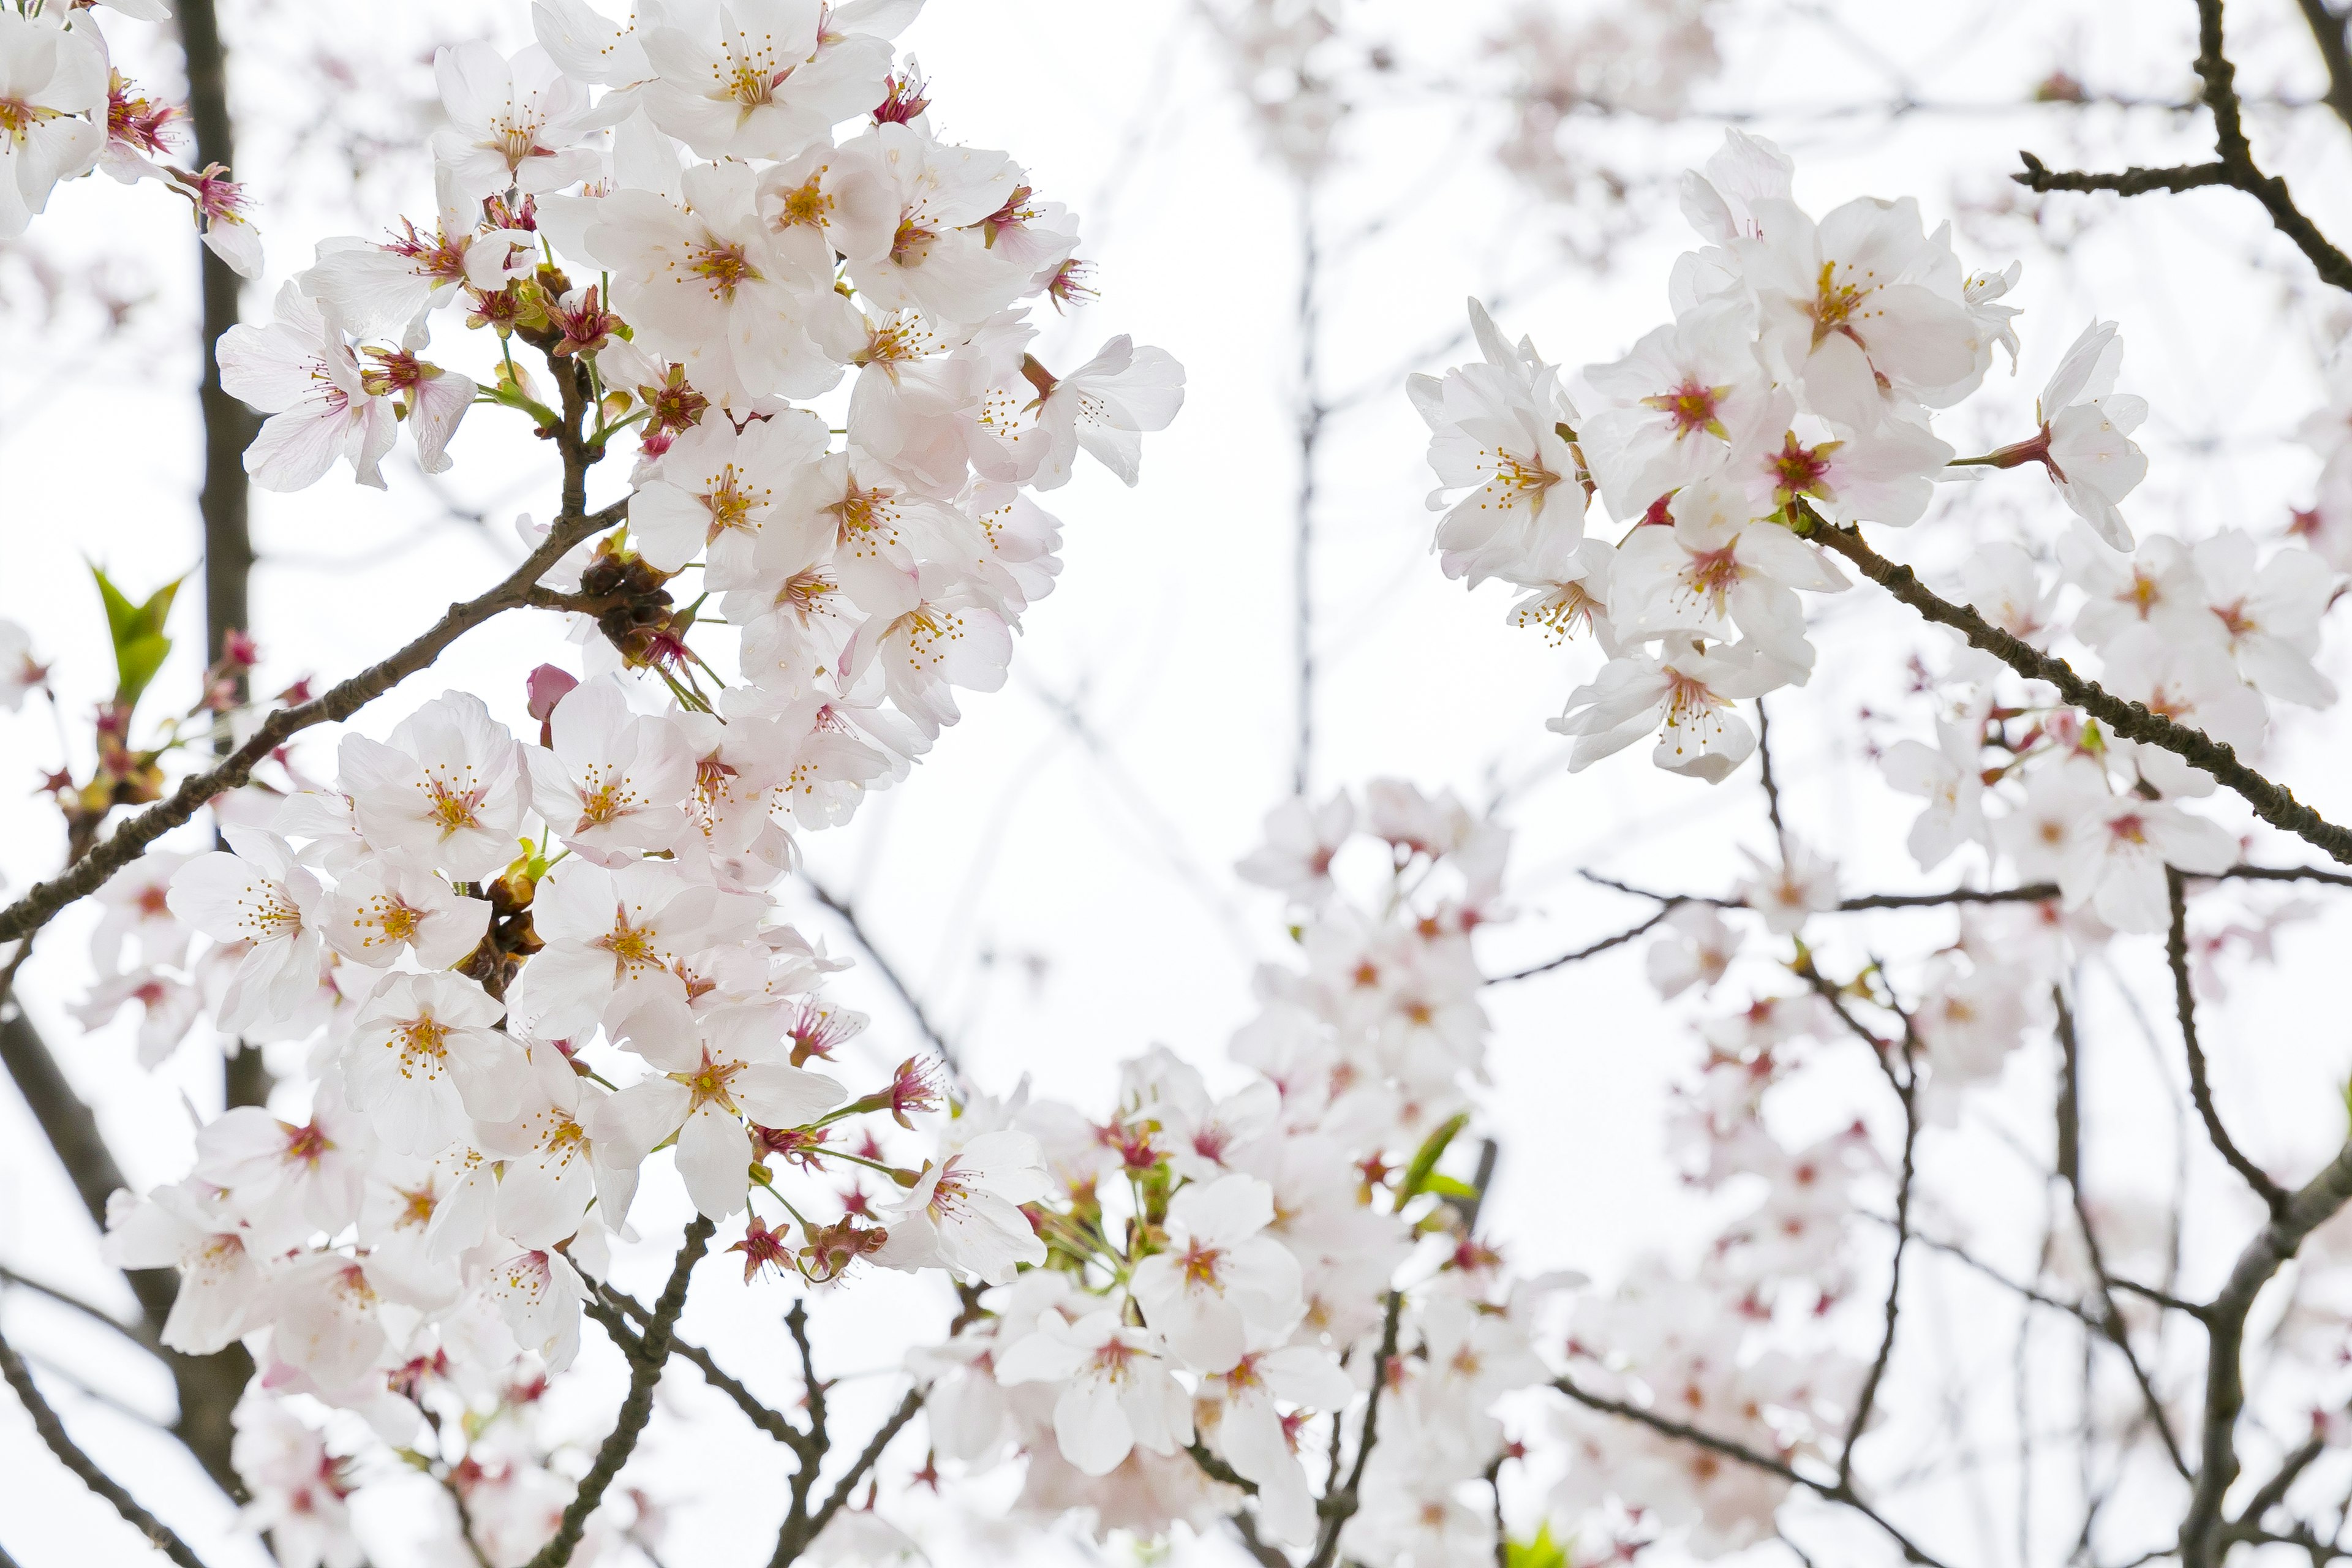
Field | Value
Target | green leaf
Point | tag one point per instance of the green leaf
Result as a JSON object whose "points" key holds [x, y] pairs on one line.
{"points": [[1543, 1552], [137, 631], [1445, 1186], [135, 664], [1424, 1161]]}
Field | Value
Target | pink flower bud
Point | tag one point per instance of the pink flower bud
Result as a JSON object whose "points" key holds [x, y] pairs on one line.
{"points": [[547, 686]]}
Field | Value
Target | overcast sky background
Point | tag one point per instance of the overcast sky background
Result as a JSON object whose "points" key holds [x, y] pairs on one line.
{"points": [[1060, 894]]}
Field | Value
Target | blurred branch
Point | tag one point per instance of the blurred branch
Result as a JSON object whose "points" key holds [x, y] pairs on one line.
{"points": [[1312, 414], [646, 1360], [1832, 1493], [848, 915], [2184, 1000], [2070, 1164], [62, 1444], [2327, 32], [2234, 164], [2271, 802], [137, 1333], [1339, 1506]]}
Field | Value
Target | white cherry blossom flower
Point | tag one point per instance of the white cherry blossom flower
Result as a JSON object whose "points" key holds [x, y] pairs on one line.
{"points": [[1949, 775], [1117, 1394], [53, 103], [445, 793], [718, 1070], [716, 488], [256, 895], [513, 123], [1683, 692], [375, 913], [194, 1230], [1221, 1276], [1717, 567], [616, 779], [300, 371], [1500, 431], [423, 1062], [2114, 859], [963, 1212]]}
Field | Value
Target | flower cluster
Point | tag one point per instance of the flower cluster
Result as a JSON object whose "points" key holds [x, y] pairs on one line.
{"points": [[1796, 391], [1227, 1274], [515, 968]]}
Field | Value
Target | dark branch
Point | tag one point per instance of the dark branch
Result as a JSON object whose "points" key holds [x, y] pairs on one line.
{"points": [[2269, 802], [1581, 954], [60, 1443], [645, 1370], [616, 1309], [2234, 165], [2202, 1533], [127, 842], [799, 1532], [2184, 1002]]}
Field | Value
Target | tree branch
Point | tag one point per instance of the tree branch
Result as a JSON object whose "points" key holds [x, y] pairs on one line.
{"points": [[1340, 1506], [2070, 1165], [137, 1333], [2327, 32], [126, 842], [2269, 802], [2202, 1533], [799, 1532], [60, 1443], [645, 1371], [2234, 165], [616, 1309], [1829, 1491], [2184, 1002], [1581, 954]]}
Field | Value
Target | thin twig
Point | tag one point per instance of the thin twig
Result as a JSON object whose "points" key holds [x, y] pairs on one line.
{"points": [[137, 1333], [2071, 1166], [847, 913], [62, 1444], [645, 1371], [1594, 951], [1741, 1452], [616, 1309], [2184, 1002]]}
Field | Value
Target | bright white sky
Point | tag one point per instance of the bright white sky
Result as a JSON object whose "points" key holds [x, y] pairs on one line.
{"points": [[1063, 900]]}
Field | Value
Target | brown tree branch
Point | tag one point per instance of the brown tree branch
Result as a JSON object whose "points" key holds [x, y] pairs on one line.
{"points": [[847, 913], [62, 1444], [2204, 1537], [2184, 1002], [616, 1309], [636, 1408], [2271, 802], [127, 842], [2235, 166], [799, 1530], [1594, 951]]}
